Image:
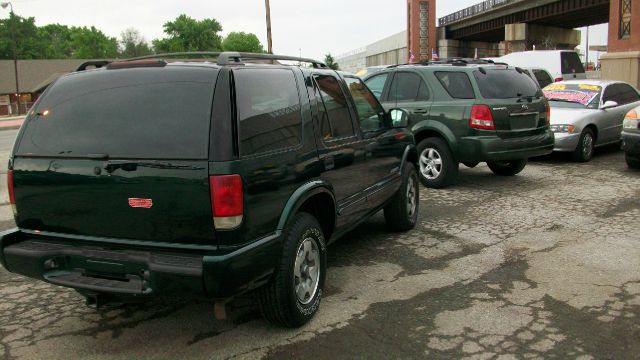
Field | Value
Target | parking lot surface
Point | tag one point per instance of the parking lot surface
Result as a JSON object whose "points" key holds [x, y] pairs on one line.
{"points": [[542, 265]]}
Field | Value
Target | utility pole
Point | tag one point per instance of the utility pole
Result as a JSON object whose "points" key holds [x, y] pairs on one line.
{"points": [[269, 41], [15, 51], [586, 60]]}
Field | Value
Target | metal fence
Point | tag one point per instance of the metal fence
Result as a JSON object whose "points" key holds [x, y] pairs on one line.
{"points": [[12, 108], [473, 11]]}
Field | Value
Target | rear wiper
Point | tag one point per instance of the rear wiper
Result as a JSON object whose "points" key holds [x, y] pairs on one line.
{"points": [[128, 165]]}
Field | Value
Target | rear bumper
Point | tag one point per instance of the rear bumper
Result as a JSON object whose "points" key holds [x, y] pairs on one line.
{"points": [[566, 142], [494, 148], [631, 144], [138, 272]]}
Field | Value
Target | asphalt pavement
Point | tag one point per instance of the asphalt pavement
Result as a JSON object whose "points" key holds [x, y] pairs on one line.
{"points": [[541, 265]]}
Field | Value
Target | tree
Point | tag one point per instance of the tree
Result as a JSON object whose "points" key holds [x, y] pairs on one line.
{"points": [[132, 44], [91, 43], [188, 34], [56, 41], [242, 42], [330, 62], [28, 44]]}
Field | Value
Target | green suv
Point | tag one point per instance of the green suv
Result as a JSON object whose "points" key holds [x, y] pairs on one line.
{"points": [[204, 178], [468, 113]]}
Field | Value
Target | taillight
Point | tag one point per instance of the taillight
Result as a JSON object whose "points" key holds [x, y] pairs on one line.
{"points": [[12, 196], [558, 79], [481, 118], [548, 114], [226, 201]]}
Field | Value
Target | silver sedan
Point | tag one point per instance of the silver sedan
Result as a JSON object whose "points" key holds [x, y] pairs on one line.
{"points": [[588, 113]]}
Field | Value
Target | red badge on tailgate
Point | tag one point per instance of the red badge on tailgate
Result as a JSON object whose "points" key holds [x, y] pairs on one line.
{"points": [[140, 203]]}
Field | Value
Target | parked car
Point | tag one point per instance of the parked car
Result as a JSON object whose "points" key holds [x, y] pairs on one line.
{"points": [[540, 75], [207, 179], [631, 138], [586, 114], [467, 113], [562, 64]]}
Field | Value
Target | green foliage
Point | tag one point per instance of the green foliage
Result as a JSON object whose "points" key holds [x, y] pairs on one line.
{"points": [[91, 43], [132, 44], [188, 34], [331, 62], [242, 42], [53, 41]]}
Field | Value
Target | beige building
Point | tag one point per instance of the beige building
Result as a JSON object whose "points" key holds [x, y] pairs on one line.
{"points": [[391, 50]]}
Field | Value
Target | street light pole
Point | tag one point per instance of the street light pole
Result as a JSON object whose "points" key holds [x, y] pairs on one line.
{"points": [[269, 43], [15, 51]]}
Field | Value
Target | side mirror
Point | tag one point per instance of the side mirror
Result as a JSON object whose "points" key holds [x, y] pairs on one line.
{"points": [[608, 105], [399, 118]]}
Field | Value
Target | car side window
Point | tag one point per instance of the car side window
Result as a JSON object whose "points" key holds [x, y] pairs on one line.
{"points": [[376, 84], [335, 120], [407, 87], [370, 112], [543, 78], [628, 94], [457, 84], [269, 120], [611, 94]]}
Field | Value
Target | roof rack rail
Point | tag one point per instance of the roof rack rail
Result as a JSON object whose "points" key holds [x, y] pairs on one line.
{"points": [[233, 58], [96, 63]]}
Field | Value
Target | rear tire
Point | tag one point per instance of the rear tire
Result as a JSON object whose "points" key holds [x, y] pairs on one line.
{"points": [[402, 213], [586, 145], [437, 167], [632, 163], [292, 296], [507, 168]]}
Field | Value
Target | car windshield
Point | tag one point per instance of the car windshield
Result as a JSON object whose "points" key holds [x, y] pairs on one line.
{"points": [[573, 95], [505, 83]]}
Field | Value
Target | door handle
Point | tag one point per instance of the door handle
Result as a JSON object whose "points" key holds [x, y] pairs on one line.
{"points": [[420, 111]]}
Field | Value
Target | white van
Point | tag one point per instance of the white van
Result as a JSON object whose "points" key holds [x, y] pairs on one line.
{"points": [[562, 64]]}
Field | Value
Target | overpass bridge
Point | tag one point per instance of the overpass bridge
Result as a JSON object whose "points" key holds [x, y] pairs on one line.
{"points": [[496, 27]]}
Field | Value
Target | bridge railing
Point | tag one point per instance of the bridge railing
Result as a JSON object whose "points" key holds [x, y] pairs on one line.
{"points": [[472, 11]]}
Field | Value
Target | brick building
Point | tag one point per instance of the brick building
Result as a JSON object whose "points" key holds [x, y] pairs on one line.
{"points": [[421, 29], [623, 60]]}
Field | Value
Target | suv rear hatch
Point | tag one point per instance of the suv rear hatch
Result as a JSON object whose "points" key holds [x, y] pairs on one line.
{"points": [[517, 104], [119, 153]]}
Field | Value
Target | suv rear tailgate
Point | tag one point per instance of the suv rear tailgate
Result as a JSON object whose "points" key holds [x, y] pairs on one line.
{"points": [[119, 153]]}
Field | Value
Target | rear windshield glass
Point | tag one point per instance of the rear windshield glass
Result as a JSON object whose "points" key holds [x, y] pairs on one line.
{"points": [[156, 113], [583, 94], [457, 84], [571, 63], [505, 84]]}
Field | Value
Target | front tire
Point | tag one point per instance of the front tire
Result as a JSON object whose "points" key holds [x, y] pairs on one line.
{"points": [[586, 145], [437, 167], [292, 297], [507, 168], [402, 213]]}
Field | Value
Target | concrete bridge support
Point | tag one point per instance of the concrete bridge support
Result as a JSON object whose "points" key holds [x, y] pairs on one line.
{"points": [[523, 37]]}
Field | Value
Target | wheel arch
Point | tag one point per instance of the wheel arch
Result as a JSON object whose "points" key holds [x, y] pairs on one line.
{"points": [[316, 198], [432, 128]]}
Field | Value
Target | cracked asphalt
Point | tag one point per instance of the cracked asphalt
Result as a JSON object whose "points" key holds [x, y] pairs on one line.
{"points": [[542, 265]]}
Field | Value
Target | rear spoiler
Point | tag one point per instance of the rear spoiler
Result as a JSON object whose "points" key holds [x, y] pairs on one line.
{"points": [[93, 63]]}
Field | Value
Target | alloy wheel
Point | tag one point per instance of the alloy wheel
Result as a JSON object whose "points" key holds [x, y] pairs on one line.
{"points": [[307, 271], [430, 163]]}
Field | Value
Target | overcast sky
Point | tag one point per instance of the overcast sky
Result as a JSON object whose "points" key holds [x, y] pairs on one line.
{"points": [[312, 27]]}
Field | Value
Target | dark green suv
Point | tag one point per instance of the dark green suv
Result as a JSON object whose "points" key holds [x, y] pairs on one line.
{"points": [[468, 113], [205, 178]]}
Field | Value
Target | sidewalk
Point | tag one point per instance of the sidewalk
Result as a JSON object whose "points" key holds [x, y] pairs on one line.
{"points": [[12, 122]]}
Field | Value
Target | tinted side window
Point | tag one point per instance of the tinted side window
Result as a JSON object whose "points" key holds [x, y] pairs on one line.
{"points": [[457, 84], [611, 94], [268, 110], [407, 87], [335, 120], [543, 78], [628, 94], [150, 113], [376, 84], [370, 112]]}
